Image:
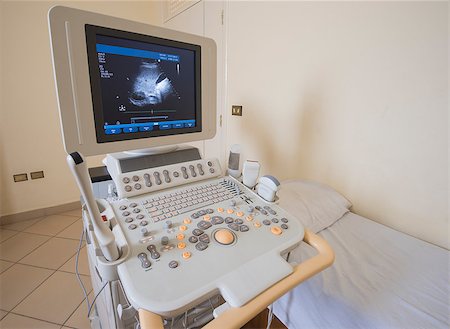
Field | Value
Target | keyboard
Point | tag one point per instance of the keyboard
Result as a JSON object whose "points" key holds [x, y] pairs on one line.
{"points": [[168, 205], [184, 244]]}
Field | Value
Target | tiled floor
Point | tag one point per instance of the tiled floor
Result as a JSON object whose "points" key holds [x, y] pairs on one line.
{"points": [[38, 286]]}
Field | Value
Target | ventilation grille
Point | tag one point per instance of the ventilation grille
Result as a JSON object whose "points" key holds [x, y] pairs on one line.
{"points": [[173, 7]]}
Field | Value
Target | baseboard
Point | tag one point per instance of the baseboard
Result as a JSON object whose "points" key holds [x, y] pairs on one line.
{"points": [[14, 218]]}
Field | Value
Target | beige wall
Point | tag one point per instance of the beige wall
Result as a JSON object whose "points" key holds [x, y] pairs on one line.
{"points": [[350, 94], [30, 136]]}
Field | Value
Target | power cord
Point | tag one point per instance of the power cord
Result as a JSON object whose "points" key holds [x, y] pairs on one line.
{"points": [[77, 273]]}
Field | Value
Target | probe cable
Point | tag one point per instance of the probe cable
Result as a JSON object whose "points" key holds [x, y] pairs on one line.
{"points": [[95, 298], [89, 305]]}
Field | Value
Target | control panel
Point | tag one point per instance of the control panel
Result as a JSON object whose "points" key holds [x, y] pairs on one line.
{"points": [[159, 178], [191, 242]]}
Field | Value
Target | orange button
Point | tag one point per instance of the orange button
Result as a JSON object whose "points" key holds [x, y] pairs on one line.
{"points": [[181, 245], [257, 224], [220, 209], [180, 236], [207, 217], [187, 221], [186, 255], [230, 211], [183, 228], [276, 230], [240, 213], [249, 218]]}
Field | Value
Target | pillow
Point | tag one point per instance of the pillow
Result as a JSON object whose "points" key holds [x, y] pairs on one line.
{"points": [[316, 205]]}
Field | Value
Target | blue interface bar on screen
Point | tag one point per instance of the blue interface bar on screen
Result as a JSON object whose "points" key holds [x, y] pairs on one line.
{"points": [[101, 48], [190, 123]]}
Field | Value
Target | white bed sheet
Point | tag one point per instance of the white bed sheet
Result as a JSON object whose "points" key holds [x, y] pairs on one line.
{"points": [[381, 278]]}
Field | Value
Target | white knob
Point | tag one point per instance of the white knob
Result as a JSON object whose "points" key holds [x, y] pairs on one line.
{"points": [[168, 225]]}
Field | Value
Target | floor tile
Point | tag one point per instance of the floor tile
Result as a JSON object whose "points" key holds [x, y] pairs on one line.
{"points": [[56, 299], [73, 231], [6, 234], [2, 314], [20, 245], [14, 321], [17, 282], [75, 213], [83, 263], [79, 319], [5, 265], [22, 225], [52, 254], [51, 225]]}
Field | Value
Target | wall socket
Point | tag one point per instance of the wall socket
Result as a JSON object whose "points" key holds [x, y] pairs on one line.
{"points": [[37, 174], [20, 177], [24, 177], [236, 110]]}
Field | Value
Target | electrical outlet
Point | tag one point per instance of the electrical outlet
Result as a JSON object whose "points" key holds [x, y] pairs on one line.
{"points": [[20, 177], [236, 110], [37, 174]]}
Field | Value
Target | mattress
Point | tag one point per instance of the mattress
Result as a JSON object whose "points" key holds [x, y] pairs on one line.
{"points": [[381, 278]]}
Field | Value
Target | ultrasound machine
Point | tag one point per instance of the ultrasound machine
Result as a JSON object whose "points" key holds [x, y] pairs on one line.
{"points": [[179, 245]]}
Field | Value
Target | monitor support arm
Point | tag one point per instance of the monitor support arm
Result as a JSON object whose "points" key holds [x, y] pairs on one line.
{"points": [[104, 235]]}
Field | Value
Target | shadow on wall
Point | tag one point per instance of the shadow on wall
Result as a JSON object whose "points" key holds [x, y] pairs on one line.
{"points": [[310, 130]]}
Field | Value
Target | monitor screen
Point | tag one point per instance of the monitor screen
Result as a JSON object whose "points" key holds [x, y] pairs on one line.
{"points": [[142, 86]]}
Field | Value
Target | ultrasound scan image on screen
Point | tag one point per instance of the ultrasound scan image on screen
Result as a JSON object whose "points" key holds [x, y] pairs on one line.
{"points": [[152, 86], [142, 88]]}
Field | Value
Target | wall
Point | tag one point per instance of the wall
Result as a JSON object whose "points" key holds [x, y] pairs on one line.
{"points": [[205, 18], [30, 137], [351, 94]]}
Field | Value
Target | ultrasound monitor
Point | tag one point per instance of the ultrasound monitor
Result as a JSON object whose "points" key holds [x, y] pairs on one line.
{"points": [[124, 85], [142, 86]]}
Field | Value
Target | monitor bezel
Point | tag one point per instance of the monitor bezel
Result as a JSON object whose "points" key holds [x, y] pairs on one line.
{"points": [[71, 72], [91, 33]]}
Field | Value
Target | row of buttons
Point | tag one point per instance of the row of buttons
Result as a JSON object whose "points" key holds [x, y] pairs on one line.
{"points": [[266, 210], [134, 226], [275, 221], [157, 176]]}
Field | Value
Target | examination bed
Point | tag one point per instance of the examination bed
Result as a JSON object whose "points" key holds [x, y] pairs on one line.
{"points": [[381, 278]]}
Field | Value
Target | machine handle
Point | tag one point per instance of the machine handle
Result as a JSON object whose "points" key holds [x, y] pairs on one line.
{"points": [[236, 317]]}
